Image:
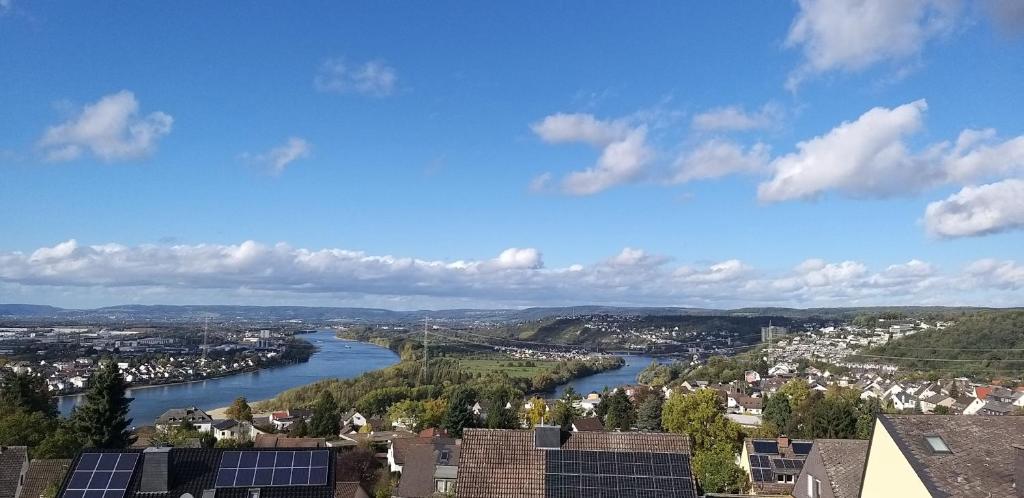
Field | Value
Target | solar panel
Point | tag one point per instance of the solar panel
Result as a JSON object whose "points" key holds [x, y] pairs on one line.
{"points": [[272, 468], [770, 447], [802, 448], [570, 473], [101, 475]]}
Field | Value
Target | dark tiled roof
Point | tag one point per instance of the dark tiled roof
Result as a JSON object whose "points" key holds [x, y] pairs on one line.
{"points": [[844, 464], [588, 424], [982, 454], [41, 474], [505, 463], [193, 470], [347, 490], [12, 461], [279, 441], [418, 472]]}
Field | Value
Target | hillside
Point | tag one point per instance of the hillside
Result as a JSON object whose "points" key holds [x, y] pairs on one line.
{"points": [[987, 344]]}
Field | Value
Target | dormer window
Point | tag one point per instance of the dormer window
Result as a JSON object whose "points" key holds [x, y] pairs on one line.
{"points": [[937, 445]]}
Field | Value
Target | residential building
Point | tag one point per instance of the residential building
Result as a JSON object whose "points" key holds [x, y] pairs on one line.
{"points": [[41, 475], [546, 461], [179, 416], [583, 424], [833, 469], [13, 466], [429, 466], [773, 464], [915, 456]]}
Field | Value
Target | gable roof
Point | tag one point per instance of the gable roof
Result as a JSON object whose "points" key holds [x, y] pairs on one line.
{"points": [[12, 461], [41, 474], [843, 460], [190, 414], [982, 454], [585, 424], [505, 462]]}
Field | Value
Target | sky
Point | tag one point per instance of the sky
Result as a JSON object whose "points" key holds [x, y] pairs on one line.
{"points": [[412, 155]]}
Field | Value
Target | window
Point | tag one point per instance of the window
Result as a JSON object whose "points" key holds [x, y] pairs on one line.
{"points": [[254, 493], [444, 486], [813, 487], [937, 444]]}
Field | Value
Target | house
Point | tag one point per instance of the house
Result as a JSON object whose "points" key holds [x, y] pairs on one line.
{"points": [[772, 465], [748, 404], [833, 469], [13, 466], [205, 473], [992, 407], [429, 466], [945, 455], [226, 429], [353, 418], [546, 461], [583, 424], [41, 475], [179, 416]]}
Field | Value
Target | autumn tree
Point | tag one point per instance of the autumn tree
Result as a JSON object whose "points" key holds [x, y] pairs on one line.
{"points": [[240, 410]]}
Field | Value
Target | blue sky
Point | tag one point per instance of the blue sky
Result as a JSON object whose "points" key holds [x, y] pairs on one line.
{"points": [[389, 154]]}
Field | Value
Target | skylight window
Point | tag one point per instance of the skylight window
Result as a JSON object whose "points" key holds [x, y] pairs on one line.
{"points": [[937, 444]]}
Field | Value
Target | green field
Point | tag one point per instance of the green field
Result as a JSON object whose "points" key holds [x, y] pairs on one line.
{"points": [[483, 365]]}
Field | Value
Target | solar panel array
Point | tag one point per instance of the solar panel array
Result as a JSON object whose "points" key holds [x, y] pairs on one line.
{"points": [[766, 447], [101, 475], [570, 473], [802, 448], [272, 468], [761, 469], [787, 463]]}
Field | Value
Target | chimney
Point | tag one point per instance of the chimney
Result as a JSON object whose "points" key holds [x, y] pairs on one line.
{"points": [[1018, 469], [155, 470], [547, 437], [783, 442]]}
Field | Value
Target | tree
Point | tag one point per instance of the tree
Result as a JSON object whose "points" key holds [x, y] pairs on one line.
{"points": [[620, 411], [63, 442], [563, 413], [501, 417], [777, 413], [796, 391], [27, 392], [326, 419], [648, 414], [716, 471], [433, 412], [22, 428], [537, 411], [299, 429], [941, 410], [409, 412], [240, 410], [699, 415], [459, 415], [103, 419]]}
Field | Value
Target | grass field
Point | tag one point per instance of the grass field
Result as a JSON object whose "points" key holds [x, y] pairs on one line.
{"points": [[501, 364]]}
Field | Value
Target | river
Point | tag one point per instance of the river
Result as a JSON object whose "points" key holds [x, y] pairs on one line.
{"points": [[334, 358], [610, 378]]}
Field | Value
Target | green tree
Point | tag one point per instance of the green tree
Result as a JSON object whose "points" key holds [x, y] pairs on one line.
{"points": [[326, 418], [648, 414], [240, 410], [433, 412], [620, 411], [103, 419], [716, 471], [699, 415], [63, 442], [298, 429], [941, 410], [563, 413], [408, 411], [777, 413], [796, 390], [22, 428], [459, 415], [27, 392]]}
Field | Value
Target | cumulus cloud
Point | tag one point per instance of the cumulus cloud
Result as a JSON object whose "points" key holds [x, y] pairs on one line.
{"points": [[841, 35], [978, 154], [564, 128], [736, 118], [978, 210], [862, 158], [111, 129], [515, 277], [278, 158], [375, 78], [717, 158]]}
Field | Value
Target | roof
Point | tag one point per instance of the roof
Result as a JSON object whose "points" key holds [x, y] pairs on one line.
{"points": [[41, 474], [190, 414], [775, 459], [584, 424], [401, 447], [279, 441], [418, 472], [982, 454], [221, 425], [505, 463], [347, 490], [843, 460], [192, 470], [12, 460]]}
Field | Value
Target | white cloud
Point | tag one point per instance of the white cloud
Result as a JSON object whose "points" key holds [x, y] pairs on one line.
{"points": [[251, 271], [735, 118], [1007, 14], [978, 210], [978, 155], [374, 77], [623, 161], [564, 128], [863, 158], [278, 158], [717, 158], [111, 129], [540, 183], [851, 35]]}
